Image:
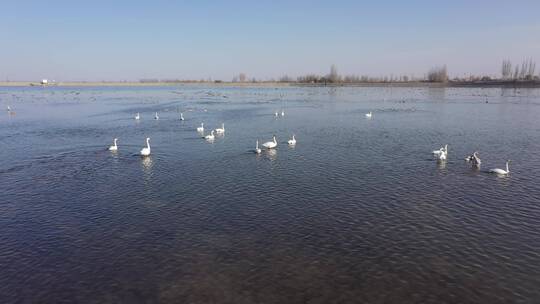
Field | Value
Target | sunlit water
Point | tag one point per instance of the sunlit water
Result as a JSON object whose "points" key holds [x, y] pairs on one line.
{"points": [[357, 212]]}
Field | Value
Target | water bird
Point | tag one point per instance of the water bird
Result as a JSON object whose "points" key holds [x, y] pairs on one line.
{"points": [[292, 141], [442, 156], [257, 149], [114, 147], [368, 115], [276, 114], [146, 150], [8, 108], [181, 116], [271, 144], [156, 116], [201, 128], [210, 136], [137, 116], [282, 113], [501, 171], [221, 130], [474, 159], [441, 150]]}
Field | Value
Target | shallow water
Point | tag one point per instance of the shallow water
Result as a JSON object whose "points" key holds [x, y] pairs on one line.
{"points": [[358, 211]]}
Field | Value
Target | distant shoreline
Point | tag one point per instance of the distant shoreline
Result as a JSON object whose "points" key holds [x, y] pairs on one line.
{"points": [[450, 84]]}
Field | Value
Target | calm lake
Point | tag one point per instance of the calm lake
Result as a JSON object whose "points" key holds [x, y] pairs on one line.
{"points": [[358, 211]]}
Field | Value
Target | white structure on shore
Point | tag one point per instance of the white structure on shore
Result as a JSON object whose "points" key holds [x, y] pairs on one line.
{"points": [[44, 81]]}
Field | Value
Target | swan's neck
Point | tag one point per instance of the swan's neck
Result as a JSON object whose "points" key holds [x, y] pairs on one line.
{"points": [[257, 144], [507, 170], [148, 143]]}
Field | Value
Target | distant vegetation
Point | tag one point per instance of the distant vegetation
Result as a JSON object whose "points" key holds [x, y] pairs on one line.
{"points": [[520, 73]]}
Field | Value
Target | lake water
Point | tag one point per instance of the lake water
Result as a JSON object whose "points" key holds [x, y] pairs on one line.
{"points": [[357, 212]]}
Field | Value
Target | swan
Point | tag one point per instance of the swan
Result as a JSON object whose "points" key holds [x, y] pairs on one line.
{"points": [[442, 156], [474, 159], [270, 144], [156, 116], [210, 136], [146, 150], [501, 171], [114, 147], [257, 149], [282, 113], [181, 116], [441, 150], [138, 116], [9, 109], [201, 128], [276, 114], [292, 141], [368, 115], [221, 130]]}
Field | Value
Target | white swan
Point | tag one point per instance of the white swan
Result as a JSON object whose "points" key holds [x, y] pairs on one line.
{"points": [[181, 116], [156, 116], [257, 149], [442, 156], [270, 144], [9, 109], [368, 115], [276, 114], [282, 113], [210, 136], [441, 150], [146, 150], [501, 171], [114, 147], [221, 130], [201, 128], [292, 141], [137, 116]]}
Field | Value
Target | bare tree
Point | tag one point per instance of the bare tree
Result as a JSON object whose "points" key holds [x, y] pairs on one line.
{"points": [[438, 74], [333, 76], [506, 69]]}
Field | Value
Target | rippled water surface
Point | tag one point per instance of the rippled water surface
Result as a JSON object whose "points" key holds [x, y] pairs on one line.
{"points": [[357, 212]]}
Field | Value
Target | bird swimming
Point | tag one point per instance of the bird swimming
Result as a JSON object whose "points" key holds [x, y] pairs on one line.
{"points": [[146, 150], [501, 171], [114, 147], [270, 144], [441, 150], [210, 136], [257, 149], [221, 130], [292, 141]]}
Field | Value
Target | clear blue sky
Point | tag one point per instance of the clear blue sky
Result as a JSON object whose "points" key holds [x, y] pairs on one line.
{"points": [[129, 40]]}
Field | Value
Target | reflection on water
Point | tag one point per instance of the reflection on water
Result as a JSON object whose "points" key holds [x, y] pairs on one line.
{"points": [[271, 154], [359, 212], [146, 162], [441, 164]]}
